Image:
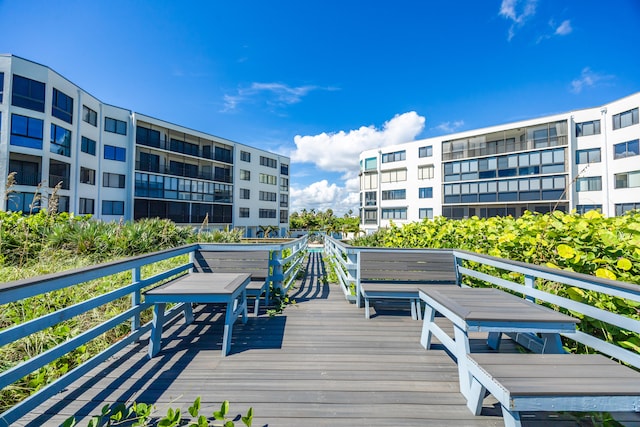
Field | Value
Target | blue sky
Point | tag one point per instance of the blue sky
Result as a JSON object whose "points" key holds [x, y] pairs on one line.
{"points": [[322, 81]]}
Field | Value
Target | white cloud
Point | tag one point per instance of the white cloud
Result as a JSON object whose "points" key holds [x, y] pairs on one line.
{"points": [[339, 152], [517, 14], [450, 127], [588, 79], [564, 28], [276, 94]]}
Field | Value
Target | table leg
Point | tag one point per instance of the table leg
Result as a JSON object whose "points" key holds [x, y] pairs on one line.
{"points": [[156, 329], [244, 306], [228, 328], [552, 343], [461, 350], [494, 340], [188, 313], [429, 316]]}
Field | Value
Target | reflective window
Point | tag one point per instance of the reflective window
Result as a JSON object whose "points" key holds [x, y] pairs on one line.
{"points": [[245, 175], [26, 131], [394, 157], [115, 153], [86, 206], [625, 119], [62, 106], [626, 149], [583, 209], [28, 93], [622, 208], [27, 173], [591, 183], [425, 151], [87, 176], [627, 179], [425, 213], [268, 162], [1, 86], [588, 128], [426, 192], [591, 155], [115, 126], [112, 207], [267, 213], [394, 194], [60, 141], [89, 116], [88, 146], [245, 156], [113, 180], [370, 198], [370, 164], [59, 173], [397, 213], [22, 202]]}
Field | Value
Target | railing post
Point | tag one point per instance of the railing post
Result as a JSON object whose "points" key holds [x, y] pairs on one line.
{"points": [[276, 258], [530, 282], [353, 269], [135, 298], [458, 263]]}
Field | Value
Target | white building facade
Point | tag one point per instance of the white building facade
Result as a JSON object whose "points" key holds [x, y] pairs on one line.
{"points": [[582, 160], [116, 164]]}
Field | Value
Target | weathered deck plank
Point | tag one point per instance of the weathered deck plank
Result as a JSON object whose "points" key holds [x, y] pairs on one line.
{"points": [[320, 363]]}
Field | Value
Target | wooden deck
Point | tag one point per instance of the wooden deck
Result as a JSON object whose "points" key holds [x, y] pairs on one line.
{"points": [[320, 363]]}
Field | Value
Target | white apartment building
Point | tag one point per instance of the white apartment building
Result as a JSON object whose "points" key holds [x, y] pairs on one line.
{"points": [[116, 164], [583, 160]]}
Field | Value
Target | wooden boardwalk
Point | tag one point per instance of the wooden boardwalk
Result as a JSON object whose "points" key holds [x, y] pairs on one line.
{"points": [[320, 363]]}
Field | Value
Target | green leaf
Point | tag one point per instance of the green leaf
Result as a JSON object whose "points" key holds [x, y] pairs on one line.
{"points": [[624, 264], [566, 251], [248, 419], [229, 424], [605, 274], [195, 408], [69, 422]]}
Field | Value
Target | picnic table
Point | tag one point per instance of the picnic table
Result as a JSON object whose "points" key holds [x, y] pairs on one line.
{"points": [[227, 288], [487, 310]]}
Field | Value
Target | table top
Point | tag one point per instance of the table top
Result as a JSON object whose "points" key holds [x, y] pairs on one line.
{"points": [[490, 305], [200, 287]]}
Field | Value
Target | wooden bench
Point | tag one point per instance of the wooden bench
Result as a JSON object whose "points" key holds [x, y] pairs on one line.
{"points": [[552, 382], [255, 263], [397, 275]]}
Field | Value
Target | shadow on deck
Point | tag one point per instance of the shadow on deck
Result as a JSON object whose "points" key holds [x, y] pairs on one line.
{"points": [[320, 363]]}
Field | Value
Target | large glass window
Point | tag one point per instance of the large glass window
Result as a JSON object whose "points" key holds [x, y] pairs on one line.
{"points": [[370, 198], [396, 156], [284, 184], [245, 156], [115, 153], [396, 175], [59, 172], [86, 206], [284, 200], [87, 176], [426, 151], [370, 216], [622, 208], [60, 141], [112, 207], [627, 179], [591, 183], [28, 93], [284, 169], [26, 131], [426, 193], [370, 164], [396, 213], [22, 202], [583, 209], [267, 196], [591, 155], [269, 162], [115, 126], [88, 146], [113, 180], [62, 106], [148, 137], [245, 175], [27, 173], [1, 86], [426, 172], [626, 149], [267, 213], [369, 181], [222, 154], [244, 213], [588, 128], [268, 179], [89, 116], [394, 194], [425, 213], [625, 119]]}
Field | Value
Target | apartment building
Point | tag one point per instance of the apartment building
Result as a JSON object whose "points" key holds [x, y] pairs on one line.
{"points": [[583, 160], [116, 164]]}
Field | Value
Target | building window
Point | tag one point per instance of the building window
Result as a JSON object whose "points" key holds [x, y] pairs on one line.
{"points": [[28, 93], [245, 156], [397, 213], [1, 86], [89, 116], [396, 156], [425, 192], [88, 146], [86, 206], [62, 106], [27, 173], [113, 180], [425, 151], [625, 119], [267, 196], [369, 181], [627, 179], [588, 128], [426, 172], [267, 213], [394, 194], [268, 162], [112, 207], [592, 183], [148, 137], [245, 193], [396, 175], [370, 164], [87, 176], [622, 208], [268, 179], [370, 198], [284, 169], [425, 213], [583, 209], [59, 172], [60, 141], [244, 213], [284, 184], [26, 131], [626, 149], [115, 153], [370, 216], [115, 126], [284, 217], [591, 155], [245, 175], [22, 202], [284, 200]]}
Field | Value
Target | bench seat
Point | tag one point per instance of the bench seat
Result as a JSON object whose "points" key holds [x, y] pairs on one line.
{"points": [[552, 382]]}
